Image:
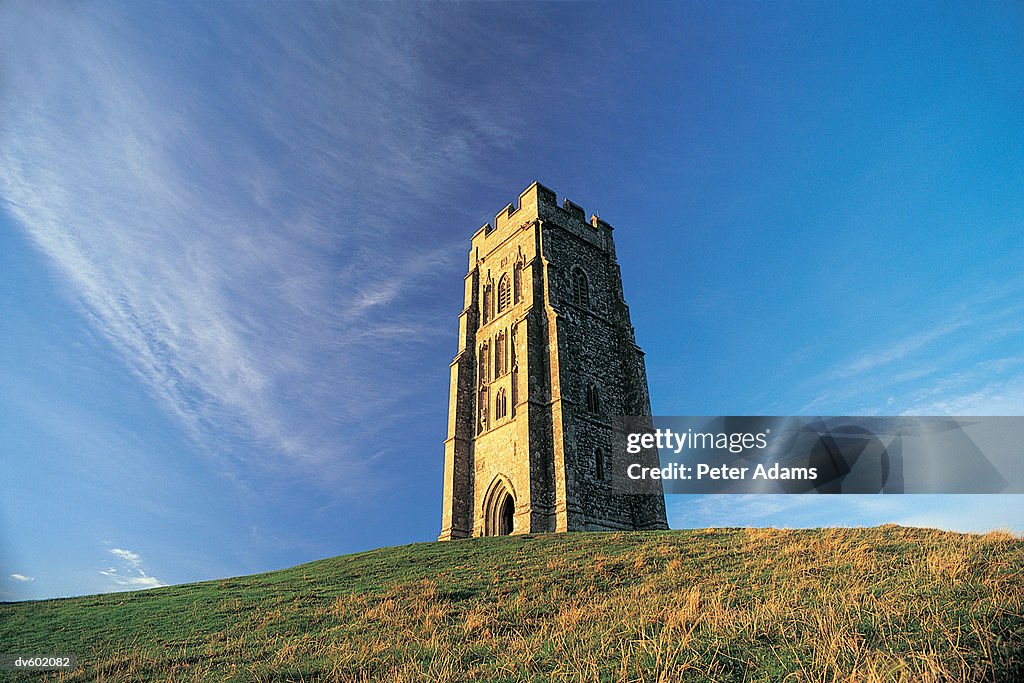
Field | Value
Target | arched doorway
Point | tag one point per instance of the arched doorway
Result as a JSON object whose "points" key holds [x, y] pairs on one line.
{"points": [[499, 509], [506, 519]]}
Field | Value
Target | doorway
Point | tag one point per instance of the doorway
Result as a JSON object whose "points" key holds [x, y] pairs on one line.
{"points": [[506, 516], [500, 509]]}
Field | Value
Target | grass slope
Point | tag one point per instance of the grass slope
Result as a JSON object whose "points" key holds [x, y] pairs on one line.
{"points": [[889, 603]]}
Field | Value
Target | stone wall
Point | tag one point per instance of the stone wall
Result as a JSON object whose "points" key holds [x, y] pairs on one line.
{"points": [[565, 362]]}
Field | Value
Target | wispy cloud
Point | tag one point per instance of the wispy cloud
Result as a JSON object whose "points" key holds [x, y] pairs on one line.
{"points": [[897, 350], [235, 228], [128, 571], [978, 392], [957, 365], [21, 578]]}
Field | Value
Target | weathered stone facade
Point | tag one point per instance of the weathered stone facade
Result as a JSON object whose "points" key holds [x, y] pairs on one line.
{"points": [[546, 357]]}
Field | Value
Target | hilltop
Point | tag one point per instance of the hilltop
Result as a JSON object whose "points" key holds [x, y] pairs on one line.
{"points": [[888, 603]]}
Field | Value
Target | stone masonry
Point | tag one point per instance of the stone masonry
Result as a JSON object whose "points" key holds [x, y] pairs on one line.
{"points": [[546, 357]]}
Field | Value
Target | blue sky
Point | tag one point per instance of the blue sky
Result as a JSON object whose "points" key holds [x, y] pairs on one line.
{"points": [[233, 236]]}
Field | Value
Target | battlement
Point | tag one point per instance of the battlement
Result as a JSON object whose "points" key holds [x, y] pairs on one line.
{"points": [[538, 201]]}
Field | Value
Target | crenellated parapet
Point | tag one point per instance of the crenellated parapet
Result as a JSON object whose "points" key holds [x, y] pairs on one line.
{"points": [[539, 202]]}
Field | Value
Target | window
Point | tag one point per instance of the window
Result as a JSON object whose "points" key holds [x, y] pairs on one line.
{"points": [[580, 288], [593, 400], [500, 405], [517, 281], [599, 463], [485, 314], [504, 293], [499, 355]]}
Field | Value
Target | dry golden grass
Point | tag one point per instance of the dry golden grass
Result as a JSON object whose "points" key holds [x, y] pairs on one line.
{"points": [[886, 604]]}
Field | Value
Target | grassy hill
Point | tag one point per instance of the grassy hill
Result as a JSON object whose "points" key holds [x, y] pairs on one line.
{"points": [[888, 603]]}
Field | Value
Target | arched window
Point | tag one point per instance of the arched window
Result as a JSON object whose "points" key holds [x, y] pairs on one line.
{"points": [[599, 464], [485, 314], [593, 399], [580, 288], [504, 293], [499, 355], [500, 405], [517, 281]]}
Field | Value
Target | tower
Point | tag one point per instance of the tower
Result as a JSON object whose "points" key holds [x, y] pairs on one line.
{"points": [[546, 357]]}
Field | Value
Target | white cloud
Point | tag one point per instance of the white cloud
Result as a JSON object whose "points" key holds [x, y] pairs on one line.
{"points": [[898, 350], [993, 397], [128, 556], [129, 572], [22, 578], [223, 230], [956, 365]]}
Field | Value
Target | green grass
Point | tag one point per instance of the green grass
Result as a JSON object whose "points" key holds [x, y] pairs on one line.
{"points": [[883, 604]]}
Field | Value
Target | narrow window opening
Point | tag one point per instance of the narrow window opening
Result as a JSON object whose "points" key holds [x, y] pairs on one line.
{"points": [[500, 356], [504, 293], [500, 405], [593, 400]]}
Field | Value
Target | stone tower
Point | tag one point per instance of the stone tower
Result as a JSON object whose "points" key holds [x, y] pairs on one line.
{"points": [[546, 358]]}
